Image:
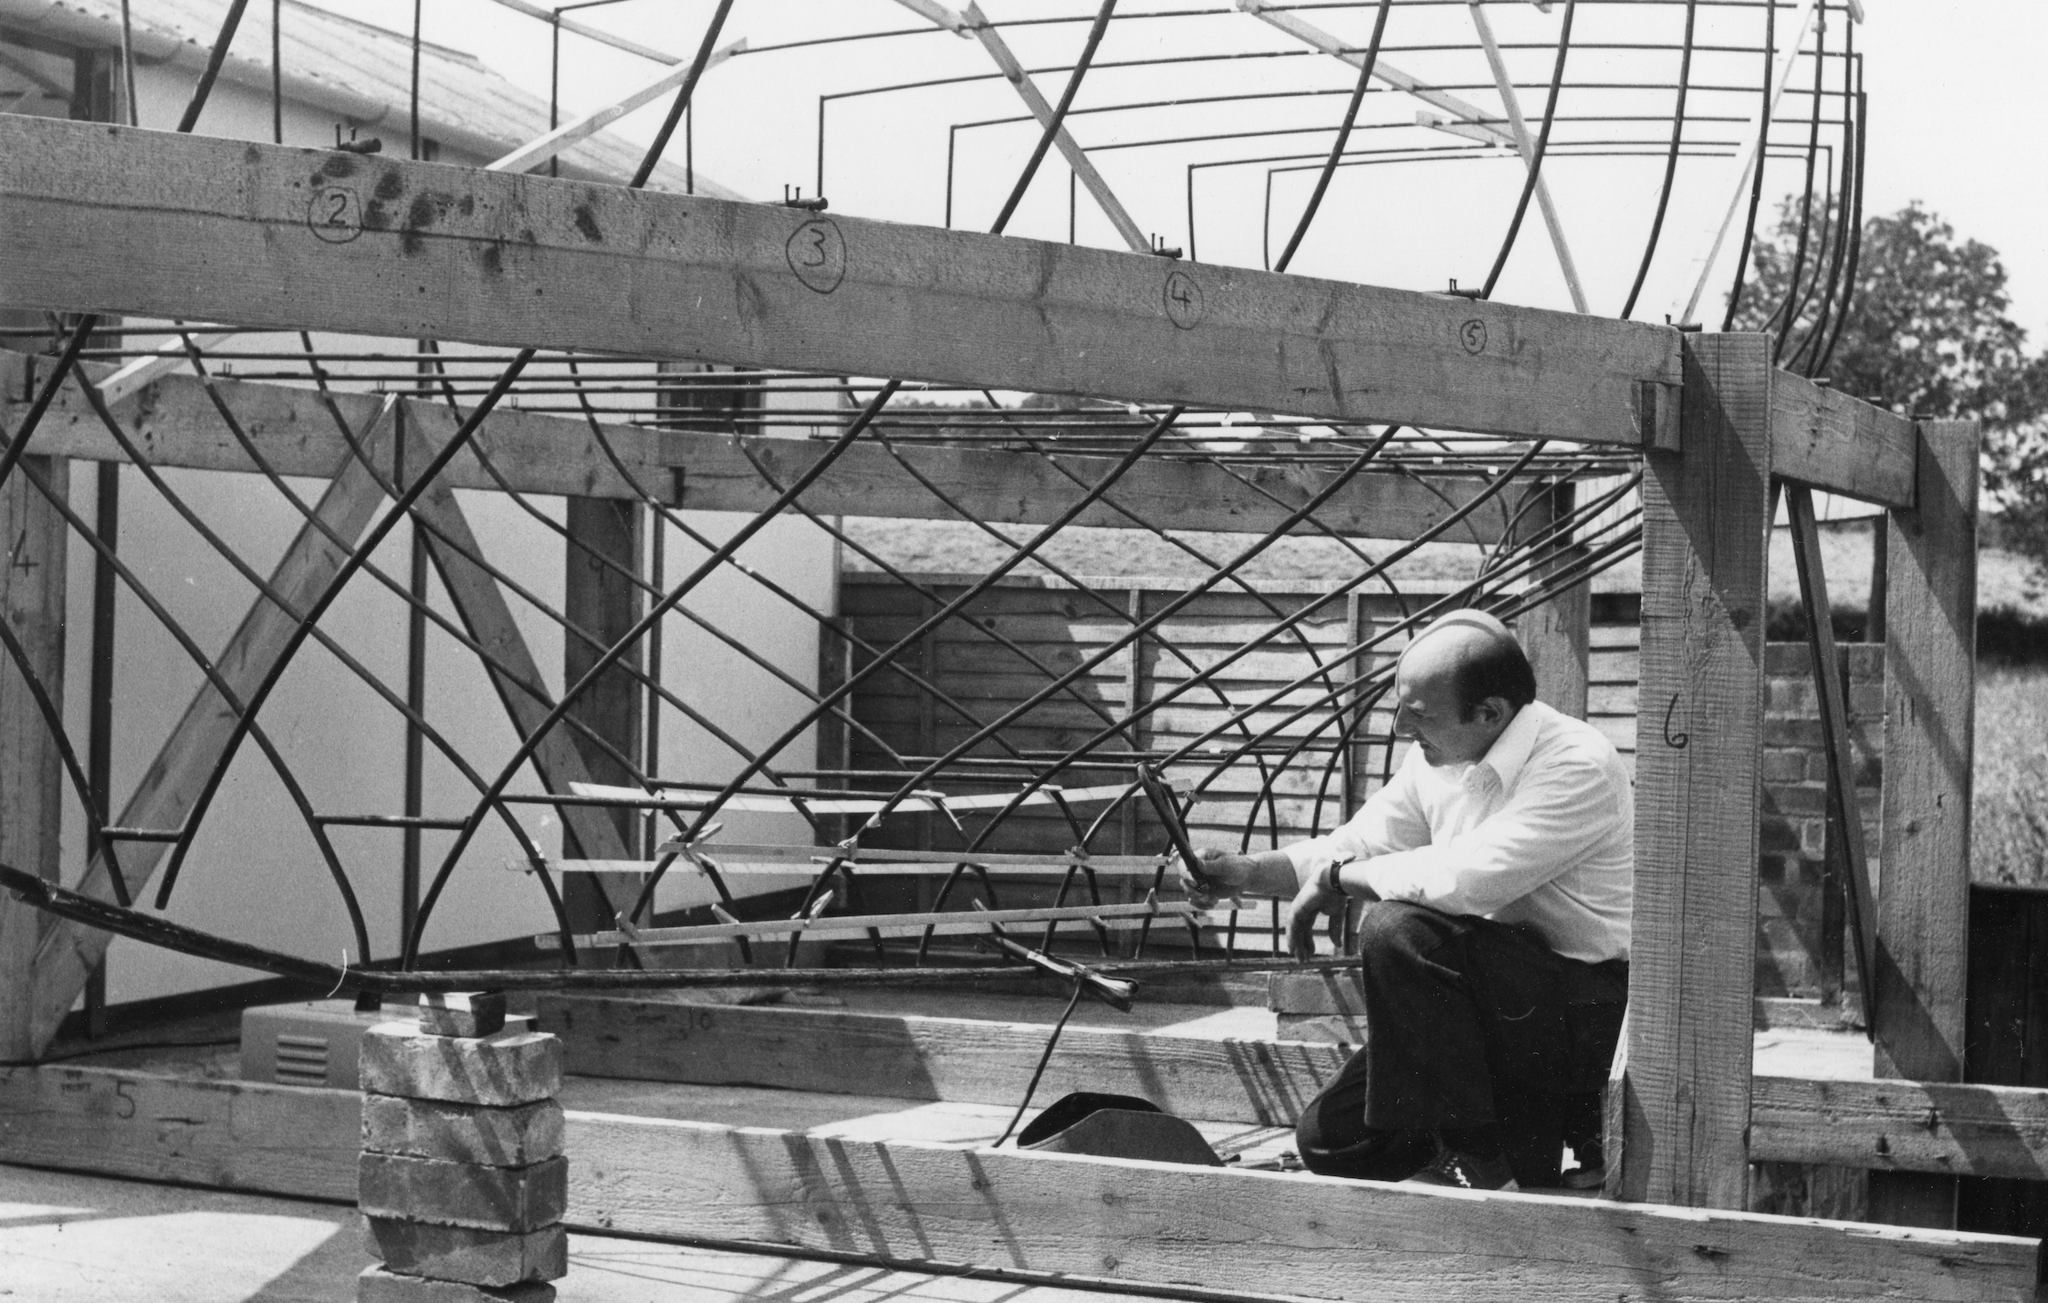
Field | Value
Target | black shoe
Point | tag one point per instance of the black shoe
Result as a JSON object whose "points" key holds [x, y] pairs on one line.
{"points": [[1466, 1172]]}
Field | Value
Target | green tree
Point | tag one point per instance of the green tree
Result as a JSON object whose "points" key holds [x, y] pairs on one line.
{"points": [[1926, 331]]}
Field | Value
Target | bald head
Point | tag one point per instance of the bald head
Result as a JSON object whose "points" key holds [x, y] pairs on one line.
{"points": [[1476, 656], [1458, 686]]}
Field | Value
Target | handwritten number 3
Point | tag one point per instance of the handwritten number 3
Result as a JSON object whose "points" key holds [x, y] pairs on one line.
{"points": [[817, 258]]}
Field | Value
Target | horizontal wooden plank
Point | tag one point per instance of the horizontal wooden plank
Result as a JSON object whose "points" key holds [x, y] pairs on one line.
{"points": [[1245, 1233], [228, 1135], [1904, 1126], [1257, 1233], [1840, 443], [533, 452], [124, 220], [931, 1058]]}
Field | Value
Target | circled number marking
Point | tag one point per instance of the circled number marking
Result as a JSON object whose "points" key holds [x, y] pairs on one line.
{"points": [[1473, 336], [334, 214], [1183, 300], [817, 254]]}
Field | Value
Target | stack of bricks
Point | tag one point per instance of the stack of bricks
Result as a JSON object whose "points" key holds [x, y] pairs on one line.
{"points": [[462, 1183], [1799, 906]]}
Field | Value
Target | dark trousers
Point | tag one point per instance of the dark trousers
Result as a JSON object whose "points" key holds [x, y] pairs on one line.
{"points": [[1469, 1024]]}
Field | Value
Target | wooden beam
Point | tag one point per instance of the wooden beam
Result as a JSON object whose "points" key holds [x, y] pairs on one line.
{"points": [[226, 1135], [487, 617], [1237, 1232], [1841, 444], [1706, 522], [1903, 1128], [604, 604], [907, 1057], [1100, 1219], [70, 951], [120, 219], [1922, 959], [1557, 635], [538, 453], [32, 781]]}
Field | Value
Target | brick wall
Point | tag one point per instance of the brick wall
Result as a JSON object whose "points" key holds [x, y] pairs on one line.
{"points": [[1800, 902]]}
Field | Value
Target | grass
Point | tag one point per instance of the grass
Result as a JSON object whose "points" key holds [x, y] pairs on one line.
{"points": [[2009, 816]]}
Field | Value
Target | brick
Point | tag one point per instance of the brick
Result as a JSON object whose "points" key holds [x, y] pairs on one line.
{"points": [[1777, 835], [1866, 661], [1790, 696], [462, 1013], [377, 1285], [1813, 838], [1787, 659], [1784, 765], [463, 1194], [459, 1253], [1783, 732], [1795, 799], [462, 1133], [502, 1071]]}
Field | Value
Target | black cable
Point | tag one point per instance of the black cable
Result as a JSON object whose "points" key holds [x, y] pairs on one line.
{"points": [[94, 1050], [1051, 1043]]}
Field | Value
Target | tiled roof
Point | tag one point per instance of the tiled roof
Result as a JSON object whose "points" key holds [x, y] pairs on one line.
{"points": [[357, 71]]}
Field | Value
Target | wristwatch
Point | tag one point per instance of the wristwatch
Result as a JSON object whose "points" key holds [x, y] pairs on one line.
{"points": [[1332, 884]]}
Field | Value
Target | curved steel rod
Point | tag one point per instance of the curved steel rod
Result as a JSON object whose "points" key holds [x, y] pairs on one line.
{"points": [[1670, 163], [1507, 244], [604, 662], [1059, 116], [1315, 199], [1756, 180], [355, 561]]}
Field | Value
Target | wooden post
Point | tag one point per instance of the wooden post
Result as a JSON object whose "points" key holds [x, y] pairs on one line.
{"points": [[1922, 960], [1684, 1117], [603, 603], [31, 779], [1558, 634]]}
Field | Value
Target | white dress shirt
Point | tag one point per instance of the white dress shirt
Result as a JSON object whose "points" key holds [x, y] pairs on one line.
{"points": [[1539, 831]]}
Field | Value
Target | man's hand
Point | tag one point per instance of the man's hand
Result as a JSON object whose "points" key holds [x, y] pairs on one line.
{"points": [[1223, 876], [1311, 903]]}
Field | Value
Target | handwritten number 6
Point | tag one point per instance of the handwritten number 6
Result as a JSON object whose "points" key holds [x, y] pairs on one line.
{"points": [[1676, 741]]}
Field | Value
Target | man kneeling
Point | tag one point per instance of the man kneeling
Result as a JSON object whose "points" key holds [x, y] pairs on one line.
{"points": [[1501, 858]]}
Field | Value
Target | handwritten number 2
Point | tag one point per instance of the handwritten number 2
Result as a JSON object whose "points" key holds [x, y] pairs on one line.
{"points": [[337, 208]]}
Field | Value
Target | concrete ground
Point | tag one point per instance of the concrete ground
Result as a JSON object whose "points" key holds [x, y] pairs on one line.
{"points": [[88, 1239]]}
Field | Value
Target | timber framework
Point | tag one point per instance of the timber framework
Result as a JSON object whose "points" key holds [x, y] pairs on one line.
{"points": [[633, 476]]}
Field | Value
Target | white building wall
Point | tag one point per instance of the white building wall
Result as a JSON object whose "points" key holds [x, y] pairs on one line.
{"points": [[255, 873]]}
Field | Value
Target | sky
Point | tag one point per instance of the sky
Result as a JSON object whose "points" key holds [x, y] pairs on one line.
{"points": [[1954, 91]]}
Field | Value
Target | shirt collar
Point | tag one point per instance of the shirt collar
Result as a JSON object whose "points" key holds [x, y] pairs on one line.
{"points": [[1510, 751]]}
